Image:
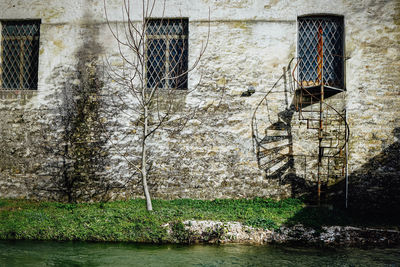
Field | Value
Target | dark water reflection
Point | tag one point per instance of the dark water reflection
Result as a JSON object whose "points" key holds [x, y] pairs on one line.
{"points": [[36, 253]]}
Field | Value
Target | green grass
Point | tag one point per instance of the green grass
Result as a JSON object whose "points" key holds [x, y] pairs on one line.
{"points": [[129, 220]]}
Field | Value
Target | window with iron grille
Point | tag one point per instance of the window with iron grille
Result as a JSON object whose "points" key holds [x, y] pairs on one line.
{"points": [[167, 53], [19, 55], [321, 51]]}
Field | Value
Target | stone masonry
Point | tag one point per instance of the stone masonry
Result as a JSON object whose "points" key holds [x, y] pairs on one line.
{"points": [[213, 156]]}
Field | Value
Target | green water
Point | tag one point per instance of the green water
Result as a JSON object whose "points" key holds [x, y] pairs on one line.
{"points": [[36, 253]]}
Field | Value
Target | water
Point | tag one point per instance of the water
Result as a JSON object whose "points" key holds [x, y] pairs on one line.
{"points": [[48, 253]]}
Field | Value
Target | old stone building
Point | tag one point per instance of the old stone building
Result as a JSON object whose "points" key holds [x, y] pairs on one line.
{"points": [[290, 97]]}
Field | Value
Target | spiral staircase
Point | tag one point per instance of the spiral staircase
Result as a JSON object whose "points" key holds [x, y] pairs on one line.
{"points": [[299, 128]]}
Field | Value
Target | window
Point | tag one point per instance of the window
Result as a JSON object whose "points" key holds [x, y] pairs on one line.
{"points": [[320, 50], [167, 53], [19, 55]]}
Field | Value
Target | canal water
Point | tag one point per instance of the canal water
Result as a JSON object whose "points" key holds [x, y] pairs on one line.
{"points": [[49, 253]]}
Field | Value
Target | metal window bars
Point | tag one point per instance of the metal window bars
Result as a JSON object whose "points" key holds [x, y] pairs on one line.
{"points": [[321, 35], [167, 53], [19, 55]]}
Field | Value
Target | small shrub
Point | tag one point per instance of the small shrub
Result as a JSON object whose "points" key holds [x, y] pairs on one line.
{"points": [[180, 233], [215, 234]]}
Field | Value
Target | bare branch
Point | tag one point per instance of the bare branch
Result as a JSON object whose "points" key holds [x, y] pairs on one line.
{"points": [[148, 87]]}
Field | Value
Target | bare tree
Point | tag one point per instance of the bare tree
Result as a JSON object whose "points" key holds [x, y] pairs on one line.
{"points": [[155, 68]]}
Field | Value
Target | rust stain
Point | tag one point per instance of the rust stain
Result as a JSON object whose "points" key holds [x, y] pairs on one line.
{"points": [[240, 24], [59, 44], [271, 4], [221, 82], [49, 14]]}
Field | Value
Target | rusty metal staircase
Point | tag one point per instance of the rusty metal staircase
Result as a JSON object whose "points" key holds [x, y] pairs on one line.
{"points": [[320, 110], [308, 136], [328, 120]]}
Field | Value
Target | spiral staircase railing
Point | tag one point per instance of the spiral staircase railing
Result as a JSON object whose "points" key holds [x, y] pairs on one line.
{"points": [[273, 145]]}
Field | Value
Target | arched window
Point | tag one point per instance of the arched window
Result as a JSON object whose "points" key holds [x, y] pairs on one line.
{"points": [[321, 51]]}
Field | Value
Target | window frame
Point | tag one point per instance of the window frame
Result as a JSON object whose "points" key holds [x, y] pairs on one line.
{"points": [[323, 16], [168, 38], [34, 72]]}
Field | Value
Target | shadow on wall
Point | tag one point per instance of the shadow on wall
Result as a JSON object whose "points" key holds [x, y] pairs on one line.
{"points": [[282, 167], [274, 142], [374, 196], [377, 183], [375, 186], [76, 131]]}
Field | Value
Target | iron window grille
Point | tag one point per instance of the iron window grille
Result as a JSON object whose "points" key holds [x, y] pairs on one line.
{"points": [[19, 55], [321, 51], [167, 53]]}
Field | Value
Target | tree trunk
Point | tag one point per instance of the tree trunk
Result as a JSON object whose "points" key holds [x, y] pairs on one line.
{"points": [[144, 156]]}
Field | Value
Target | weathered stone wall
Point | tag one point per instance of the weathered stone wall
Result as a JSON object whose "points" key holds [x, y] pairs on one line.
{"points": [[250, 42]]}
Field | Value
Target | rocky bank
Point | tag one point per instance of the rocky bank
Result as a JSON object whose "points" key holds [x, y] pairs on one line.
{"points": [[235, 232]]}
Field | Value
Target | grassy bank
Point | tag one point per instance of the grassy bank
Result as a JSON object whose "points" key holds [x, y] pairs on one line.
{"points": [[129, 221]]}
